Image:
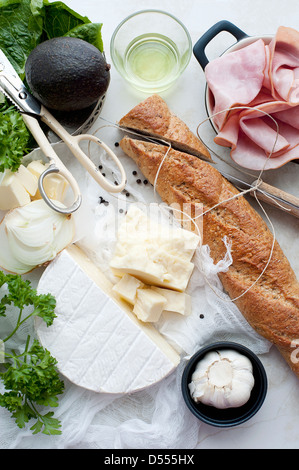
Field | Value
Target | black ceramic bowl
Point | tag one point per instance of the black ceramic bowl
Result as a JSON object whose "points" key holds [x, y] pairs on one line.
{"points": [[230, 416]]}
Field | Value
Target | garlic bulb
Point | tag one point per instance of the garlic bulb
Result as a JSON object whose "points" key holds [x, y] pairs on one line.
{"points": [[33, 234], [222, 379]]}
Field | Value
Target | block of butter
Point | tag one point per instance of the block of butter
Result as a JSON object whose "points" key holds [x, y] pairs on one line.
{"points": [[12, 192], [27, 179], [55, 185]]}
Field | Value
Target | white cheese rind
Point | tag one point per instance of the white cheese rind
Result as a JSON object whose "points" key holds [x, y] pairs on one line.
{"points": [[98, 344]]}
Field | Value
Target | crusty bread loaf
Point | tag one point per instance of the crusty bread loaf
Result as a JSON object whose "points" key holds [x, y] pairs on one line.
{"points": [[152, 117], [271, 306]]}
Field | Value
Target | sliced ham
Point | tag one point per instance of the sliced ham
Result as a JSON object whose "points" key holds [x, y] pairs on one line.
{"points": [[284, 65], [226, 77], [264, 80]]}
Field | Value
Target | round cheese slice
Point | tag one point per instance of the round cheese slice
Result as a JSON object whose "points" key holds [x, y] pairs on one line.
{"points": [[97, 340]]}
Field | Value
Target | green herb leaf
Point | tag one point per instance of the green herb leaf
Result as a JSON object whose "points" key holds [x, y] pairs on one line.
{"points": [[47, 424], [31, 378], [14, 138]]}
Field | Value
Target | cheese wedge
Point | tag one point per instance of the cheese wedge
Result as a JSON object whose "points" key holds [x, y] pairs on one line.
{"points": [[139, 227], [155, 253], [149, 305], [127, 287], [154, 266], [96, 338], [177, 302]]}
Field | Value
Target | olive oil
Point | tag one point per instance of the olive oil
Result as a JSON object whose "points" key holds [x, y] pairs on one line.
{"points": [[152, 62]]}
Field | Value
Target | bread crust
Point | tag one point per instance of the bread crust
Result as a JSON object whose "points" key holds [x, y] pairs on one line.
{"points": [[152, 117], [271, 306]]}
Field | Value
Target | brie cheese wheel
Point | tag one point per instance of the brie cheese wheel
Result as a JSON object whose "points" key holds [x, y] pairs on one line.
{"points": [[97, 340]]}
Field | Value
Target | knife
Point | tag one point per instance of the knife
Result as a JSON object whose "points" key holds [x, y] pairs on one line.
{"points": [[267, 193]]}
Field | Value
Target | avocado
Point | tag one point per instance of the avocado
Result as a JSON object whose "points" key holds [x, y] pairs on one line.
{"points": [[67, 74]]}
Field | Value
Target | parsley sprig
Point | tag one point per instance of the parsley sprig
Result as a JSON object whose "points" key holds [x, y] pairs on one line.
{"points": [[15, 139], [30, 377]]}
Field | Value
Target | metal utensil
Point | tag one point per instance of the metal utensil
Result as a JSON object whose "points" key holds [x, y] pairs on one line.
{"points": [[267, 193]]}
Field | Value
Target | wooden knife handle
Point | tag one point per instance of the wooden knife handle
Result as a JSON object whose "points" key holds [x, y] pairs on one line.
{"points": [[278, 198]]}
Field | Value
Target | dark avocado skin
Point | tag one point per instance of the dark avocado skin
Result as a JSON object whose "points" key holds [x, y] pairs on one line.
{"points": [[67, 74]]}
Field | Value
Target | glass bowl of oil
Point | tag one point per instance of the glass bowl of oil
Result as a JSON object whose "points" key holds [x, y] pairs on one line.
{"points": [[151, 49]]}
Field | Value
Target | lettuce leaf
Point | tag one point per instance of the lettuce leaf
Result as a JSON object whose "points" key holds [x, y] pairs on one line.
{"points": [[21, 28], [60, 20]]}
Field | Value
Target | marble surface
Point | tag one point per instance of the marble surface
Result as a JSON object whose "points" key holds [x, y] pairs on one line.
{"points": [[276, 425]]}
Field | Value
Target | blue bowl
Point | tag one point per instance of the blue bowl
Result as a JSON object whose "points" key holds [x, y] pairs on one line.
{"points": [[230, 416]]}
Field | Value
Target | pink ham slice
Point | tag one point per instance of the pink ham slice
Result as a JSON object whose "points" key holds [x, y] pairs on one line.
{"points": [[284, 65], [226, 76], [264, 80]]}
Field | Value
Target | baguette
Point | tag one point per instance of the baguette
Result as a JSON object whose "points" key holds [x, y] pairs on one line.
{"points": [[152, 117], [271, 306]]}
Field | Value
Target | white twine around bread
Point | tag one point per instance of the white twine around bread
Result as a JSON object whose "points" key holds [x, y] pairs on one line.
{"points": [[255, 187]]}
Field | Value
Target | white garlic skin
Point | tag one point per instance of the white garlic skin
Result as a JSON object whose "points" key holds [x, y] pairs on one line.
{"points": [[222, 379]]}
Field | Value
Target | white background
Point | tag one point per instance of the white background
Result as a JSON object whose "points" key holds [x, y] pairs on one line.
{"points": [[276, 425]]}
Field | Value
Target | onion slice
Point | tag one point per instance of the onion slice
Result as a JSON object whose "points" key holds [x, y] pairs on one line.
{"points": [[32, 235]]}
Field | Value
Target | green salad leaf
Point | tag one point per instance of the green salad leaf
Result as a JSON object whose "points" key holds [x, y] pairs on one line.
{"points": [[21, 28], [60, 20]]}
